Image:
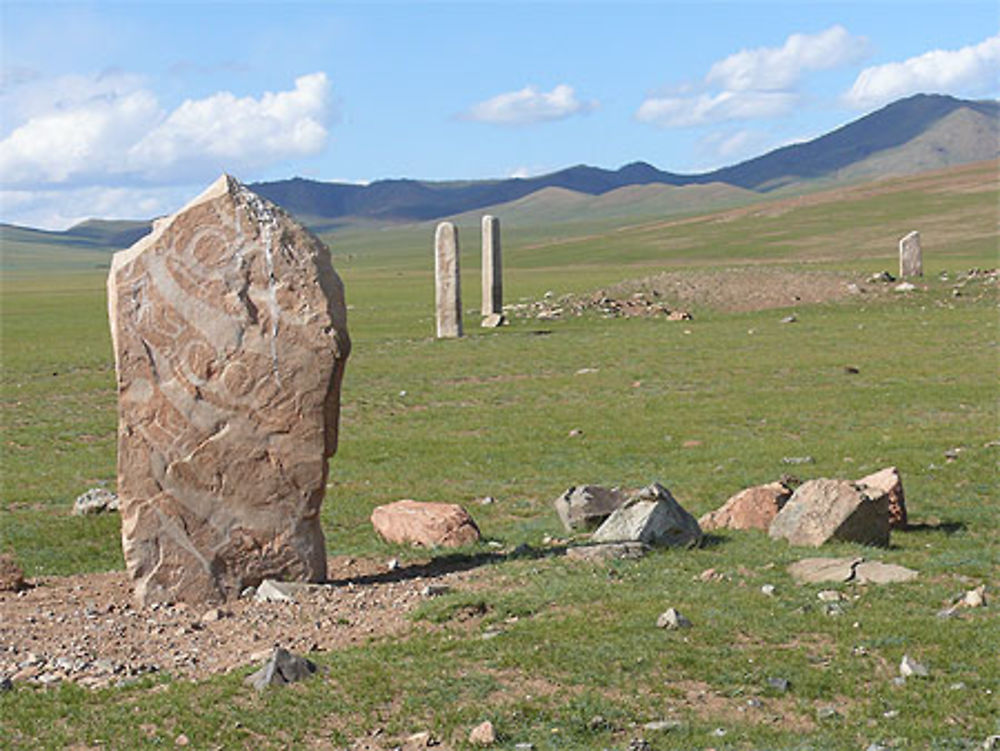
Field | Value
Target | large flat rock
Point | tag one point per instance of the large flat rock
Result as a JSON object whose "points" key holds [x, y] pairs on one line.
{"points": [[230, 339], [826, 509]]}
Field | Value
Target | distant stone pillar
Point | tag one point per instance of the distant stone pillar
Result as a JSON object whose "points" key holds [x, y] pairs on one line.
{"points": [[447, 283], [911, 262], [492, 269]]}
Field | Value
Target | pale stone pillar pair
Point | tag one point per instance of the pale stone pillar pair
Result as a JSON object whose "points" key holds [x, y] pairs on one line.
{"points": [[447, 281]]}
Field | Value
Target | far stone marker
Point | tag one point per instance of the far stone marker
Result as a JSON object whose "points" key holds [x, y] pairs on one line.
{"points": [[230, 338], [492, 270], [447, 282], [911, 261]]}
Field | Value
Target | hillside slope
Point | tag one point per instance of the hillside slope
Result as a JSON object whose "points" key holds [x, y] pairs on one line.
{"points": [[910, 135]]}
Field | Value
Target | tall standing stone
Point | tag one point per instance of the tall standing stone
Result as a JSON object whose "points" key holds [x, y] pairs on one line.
{"points": [[447, 282], [230, 339], [492, 269], [911, 262]]}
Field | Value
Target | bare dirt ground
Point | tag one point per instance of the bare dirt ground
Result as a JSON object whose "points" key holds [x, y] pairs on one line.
{"points": [[88, 629]]}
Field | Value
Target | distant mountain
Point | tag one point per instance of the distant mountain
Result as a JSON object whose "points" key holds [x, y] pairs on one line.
{"points": [[911, 135], [942, 129]]}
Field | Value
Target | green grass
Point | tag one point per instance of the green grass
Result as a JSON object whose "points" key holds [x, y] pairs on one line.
{"points": [[490, 415]]}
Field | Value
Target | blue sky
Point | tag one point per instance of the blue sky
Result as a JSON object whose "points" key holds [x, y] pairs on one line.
{"points": [[125, 110]]}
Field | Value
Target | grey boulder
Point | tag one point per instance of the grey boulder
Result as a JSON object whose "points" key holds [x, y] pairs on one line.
{"points": [[282, 668], [824, 509], [586, 507], [653, 517]]}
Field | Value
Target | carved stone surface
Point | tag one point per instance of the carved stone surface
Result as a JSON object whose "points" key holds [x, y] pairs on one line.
{"points": [[230, 339], [492, 269], [447, 282], [911, 261]]}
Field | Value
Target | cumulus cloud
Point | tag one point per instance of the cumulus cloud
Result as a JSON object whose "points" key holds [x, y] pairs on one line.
{"points": [[754, 84], [529, 106], [111, 130], [60, 209], [972, 69], [704, 109], [781, 68]]}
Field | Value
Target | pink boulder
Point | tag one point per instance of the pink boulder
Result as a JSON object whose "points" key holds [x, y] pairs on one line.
{"points": [[753, 508], [428, 524]]}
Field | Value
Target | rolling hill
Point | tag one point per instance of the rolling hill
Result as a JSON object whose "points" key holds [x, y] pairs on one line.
{"points": [[911, 135]]}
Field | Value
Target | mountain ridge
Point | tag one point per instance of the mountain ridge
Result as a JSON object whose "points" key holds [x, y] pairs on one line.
{"points": [[825, 158]]}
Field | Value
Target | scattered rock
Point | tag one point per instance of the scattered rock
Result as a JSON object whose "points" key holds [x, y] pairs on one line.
{"points": [[974, 598], [420, 740], [214, 615], [672, 619], [822, 510], [818, 570], [829, 595], [904, 287], [780, 685], [11, 575], [6, 684], [663, 726], [876, 572], [653, 517], [789, 319], [435, 590], [608, 551], [282, 668], [270, 590], [827, 713], [230, 337], [882, 276], [575, 433], [753, 508], [889, 482], [767, 589], [426, 524], [992, 743], [797, 460], [483, 734], [487, 500], [95, 501], [909, 667], [586, 507], [494, 321]]}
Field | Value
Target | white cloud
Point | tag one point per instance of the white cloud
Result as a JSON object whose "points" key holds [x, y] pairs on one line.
{"points": [[971, 69], [754, 84], [780, 68], [231, 132], [529, 106], [703, 109], [60, 209], [110, 130]]}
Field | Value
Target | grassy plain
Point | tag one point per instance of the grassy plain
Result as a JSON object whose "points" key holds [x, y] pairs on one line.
{"points": [[706, 407]]}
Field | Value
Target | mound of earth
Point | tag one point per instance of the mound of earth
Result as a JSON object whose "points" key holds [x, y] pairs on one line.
{"points": [[88, 629]]}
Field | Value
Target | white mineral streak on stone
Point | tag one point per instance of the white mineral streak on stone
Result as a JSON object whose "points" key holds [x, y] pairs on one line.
{"points": [[230, 338], [911, 261], [447, 282], [492, 268]]}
